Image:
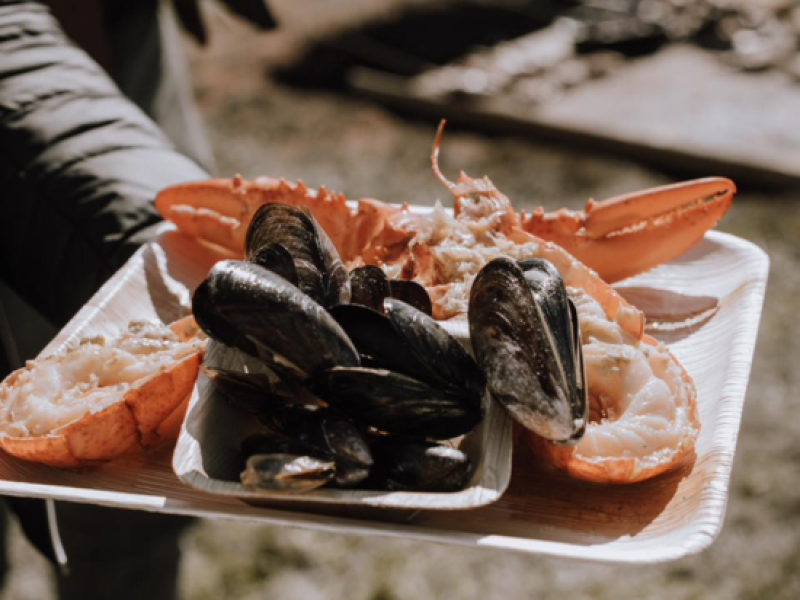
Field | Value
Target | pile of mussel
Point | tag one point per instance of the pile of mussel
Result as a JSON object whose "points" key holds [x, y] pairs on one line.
{"points": [[352, 380]]}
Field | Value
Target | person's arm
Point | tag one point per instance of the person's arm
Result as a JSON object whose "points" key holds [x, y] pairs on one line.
{"points": [[79, 166]]}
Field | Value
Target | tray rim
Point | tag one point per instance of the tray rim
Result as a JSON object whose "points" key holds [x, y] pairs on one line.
{"points": [[692, 543]]}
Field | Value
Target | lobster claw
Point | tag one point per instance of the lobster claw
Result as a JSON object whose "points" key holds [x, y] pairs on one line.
{"points": [[219, 210], [629, 234]]}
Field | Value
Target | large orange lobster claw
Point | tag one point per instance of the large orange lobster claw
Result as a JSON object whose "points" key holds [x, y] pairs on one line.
{"points": [[219, 210], [626, 235]]}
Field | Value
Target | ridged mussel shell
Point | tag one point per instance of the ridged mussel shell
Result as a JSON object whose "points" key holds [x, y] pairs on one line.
{"points": [[395, 403], [317, 268], [525, 336], [416, 378], [415, 465], [248, 307], [407, 341]]}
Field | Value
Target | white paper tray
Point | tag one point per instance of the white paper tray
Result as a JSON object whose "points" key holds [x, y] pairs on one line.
{"points": [[207, 457], [721, 282]]}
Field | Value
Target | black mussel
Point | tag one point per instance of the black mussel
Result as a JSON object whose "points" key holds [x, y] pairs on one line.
{"points": [[526, 340], [343, 441], [446, 361], [346, 442], [318, 268], [414, 465], [369, 287], [378, 344], [395, 403], [412, 293], [271, 443], [349, 475], [407, 341], [276, 258], [246, 306], [547, 285], [250, 385], [287, 472], [325, 437], [215, 325], [257, 392]]}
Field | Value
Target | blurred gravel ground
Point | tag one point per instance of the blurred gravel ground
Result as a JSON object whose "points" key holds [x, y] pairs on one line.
{"points": [[258, 128]]}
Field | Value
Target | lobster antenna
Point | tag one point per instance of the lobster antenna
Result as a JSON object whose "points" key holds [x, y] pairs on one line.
{"points": [[435, 156]]}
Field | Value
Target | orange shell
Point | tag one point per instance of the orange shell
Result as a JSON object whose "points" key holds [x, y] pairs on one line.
{"points": [[152, 410], [615, 471], [105, 435]]}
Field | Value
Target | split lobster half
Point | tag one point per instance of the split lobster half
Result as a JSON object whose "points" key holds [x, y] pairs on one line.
{"points": [[101, 398]]}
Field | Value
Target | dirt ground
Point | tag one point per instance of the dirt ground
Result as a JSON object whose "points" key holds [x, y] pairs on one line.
{"points": [[257, 128]]}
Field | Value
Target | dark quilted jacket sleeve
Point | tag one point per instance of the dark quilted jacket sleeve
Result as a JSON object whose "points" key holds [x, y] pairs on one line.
{"points": [[79, 166]]}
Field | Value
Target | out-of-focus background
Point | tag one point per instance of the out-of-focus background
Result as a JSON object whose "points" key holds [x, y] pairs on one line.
{"points": [[621, 96]]}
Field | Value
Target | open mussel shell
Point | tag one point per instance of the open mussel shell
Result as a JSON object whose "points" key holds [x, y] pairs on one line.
{"points": [[415, 465], [396, 403], [287, 472], [319, 270], [246, 306], [525, 338]]}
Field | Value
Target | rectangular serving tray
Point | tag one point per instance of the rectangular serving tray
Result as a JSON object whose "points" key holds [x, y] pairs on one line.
{"points": [[707, 305], [208, 458]]}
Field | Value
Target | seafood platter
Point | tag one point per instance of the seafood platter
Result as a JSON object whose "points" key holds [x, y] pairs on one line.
{"points": [[465, 375]]}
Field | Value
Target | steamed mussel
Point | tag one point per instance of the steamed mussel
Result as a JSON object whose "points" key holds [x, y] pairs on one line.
{"points": [[288, 241], [415, 379], [332, 438], [353, 374], [410, 464], [245, 306], [525, 334], [370, 287], [328, 390]]}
